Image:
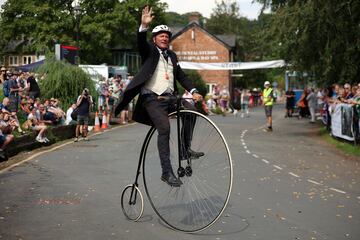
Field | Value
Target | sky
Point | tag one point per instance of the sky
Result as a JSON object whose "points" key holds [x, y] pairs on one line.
{"points": [[205, 7]]}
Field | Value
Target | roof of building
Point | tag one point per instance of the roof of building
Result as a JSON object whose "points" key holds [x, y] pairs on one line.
{"points": [[229, 41]]}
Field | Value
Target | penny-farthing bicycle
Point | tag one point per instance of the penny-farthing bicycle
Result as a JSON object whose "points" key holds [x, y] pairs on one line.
{"points": [[207, 180]]}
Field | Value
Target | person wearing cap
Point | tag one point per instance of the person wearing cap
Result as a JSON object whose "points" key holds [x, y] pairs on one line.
{"points": [[268, 101], [157, 77]]}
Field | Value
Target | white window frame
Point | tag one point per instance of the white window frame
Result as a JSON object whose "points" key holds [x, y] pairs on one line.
{"points": [[13, 60], [28, 59]]}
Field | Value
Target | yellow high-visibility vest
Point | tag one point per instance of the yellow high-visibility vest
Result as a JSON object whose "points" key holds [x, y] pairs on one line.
{"points": [[267, 100]]}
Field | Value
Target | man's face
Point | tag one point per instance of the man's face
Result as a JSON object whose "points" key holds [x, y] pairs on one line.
{"points": [[267, 86], [162, 40]]}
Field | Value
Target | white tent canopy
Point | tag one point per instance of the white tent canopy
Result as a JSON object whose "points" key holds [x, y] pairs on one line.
{"points": [[232, 65]]}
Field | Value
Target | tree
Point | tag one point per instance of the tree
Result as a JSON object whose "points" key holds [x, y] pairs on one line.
{"points": [[320, 37], [64, 81], [103, 24]]}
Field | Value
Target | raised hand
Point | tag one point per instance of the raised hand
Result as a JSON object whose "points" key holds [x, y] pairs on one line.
{"points": [[146, 16]]}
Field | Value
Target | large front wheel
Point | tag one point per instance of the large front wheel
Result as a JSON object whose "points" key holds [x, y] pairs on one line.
{"points": [[207, 180]]}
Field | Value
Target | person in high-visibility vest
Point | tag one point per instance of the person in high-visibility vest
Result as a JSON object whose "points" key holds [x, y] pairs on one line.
{"points": [[268, 101]]}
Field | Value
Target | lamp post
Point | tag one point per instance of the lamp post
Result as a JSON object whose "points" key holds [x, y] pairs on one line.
{"points": [[77, 12]]}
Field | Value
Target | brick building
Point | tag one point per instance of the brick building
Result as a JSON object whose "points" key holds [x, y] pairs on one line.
{"points": [[193, 43]]}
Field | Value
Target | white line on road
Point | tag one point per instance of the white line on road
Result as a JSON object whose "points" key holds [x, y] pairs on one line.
{"points": [[265, 161], [248, 152], [255, 156], [294, 175], [337, 190], [276, 166]]}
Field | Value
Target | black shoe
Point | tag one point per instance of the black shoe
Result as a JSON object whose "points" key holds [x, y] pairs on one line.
{"points": [[269, 129], [191, 154], [170, 179]]}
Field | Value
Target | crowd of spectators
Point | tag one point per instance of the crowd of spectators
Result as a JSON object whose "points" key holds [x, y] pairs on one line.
{"points": [[109, 92], [321, 101], [21, 100], [242, 100]]}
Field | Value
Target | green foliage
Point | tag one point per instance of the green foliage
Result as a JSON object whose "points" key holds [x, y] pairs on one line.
{"points": [[102, 24], [64, 81], [318, 37], [198, 82]]}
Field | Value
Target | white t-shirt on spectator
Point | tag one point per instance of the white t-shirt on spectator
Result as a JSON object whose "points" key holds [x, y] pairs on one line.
{"points": [[320, 96], [68, 116]]}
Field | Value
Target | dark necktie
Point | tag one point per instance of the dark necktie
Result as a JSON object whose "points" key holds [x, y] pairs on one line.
{"points": [[165, 55]]}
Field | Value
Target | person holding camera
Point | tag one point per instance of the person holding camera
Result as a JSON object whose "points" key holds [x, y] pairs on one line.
{"points": [[83, 105]]}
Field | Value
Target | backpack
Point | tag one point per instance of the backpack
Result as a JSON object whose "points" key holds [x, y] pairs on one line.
{"points": [[6, 88]]}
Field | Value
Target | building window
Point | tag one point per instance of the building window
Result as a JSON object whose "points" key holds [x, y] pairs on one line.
{"points": [[26, 60], [211, 88], [13, 61]]}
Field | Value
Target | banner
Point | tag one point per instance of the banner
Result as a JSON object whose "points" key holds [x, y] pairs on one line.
{"points": [[232, 65], [342, 121]]}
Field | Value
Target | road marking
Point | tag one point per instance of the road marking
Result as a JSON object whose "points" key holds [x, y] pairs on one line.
{"points": [[294, 175], [276, 166], [314, 182], [290, 173], [265, 161], [358, 197], [337, 190]]}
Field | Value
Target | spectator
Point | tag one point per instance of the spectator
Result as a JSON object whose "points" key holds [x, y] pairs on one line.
{"points": [[320, 100], [5, 136], [236, 101], [2, 74], [32, 87], [245, 97], [110, 101], [4, 106], [68, 114], [103, 93], [37, 126], [290, 102], [312, 101], [224, 98], [6, 86], [13, 94], [83, 104]]}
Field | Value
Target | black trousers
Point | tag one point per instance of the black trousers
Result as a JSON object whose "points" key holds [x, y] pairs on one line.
{"points": [[158, 111]]}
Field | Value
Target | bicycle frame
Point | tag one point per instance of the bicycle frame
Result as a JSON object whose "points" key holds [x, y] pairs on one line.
{"points": [[142, 152]]}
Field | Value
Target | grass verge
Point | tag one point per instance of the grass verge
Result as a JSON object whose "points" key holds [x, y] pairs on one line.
{"points": [[346, 147]]}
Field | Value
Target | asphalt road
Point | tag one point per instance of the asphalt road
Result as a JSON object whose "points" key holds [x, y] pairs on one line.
{"points": [[288, 184]]}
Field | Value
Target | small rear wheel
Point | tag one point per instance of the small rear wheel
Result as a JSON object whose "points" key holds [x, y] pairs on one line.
{"points": [[132, 202]]}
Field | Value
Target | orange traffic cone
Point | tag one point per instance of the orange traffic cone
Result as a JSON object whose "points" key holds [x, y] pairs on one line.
{"points": [[97, 123], [104, 124]]}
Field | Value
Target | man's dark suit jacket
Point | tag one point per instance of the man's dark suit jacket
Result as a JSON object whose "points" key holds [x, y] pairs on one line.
{"points": [[150, 57]]}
